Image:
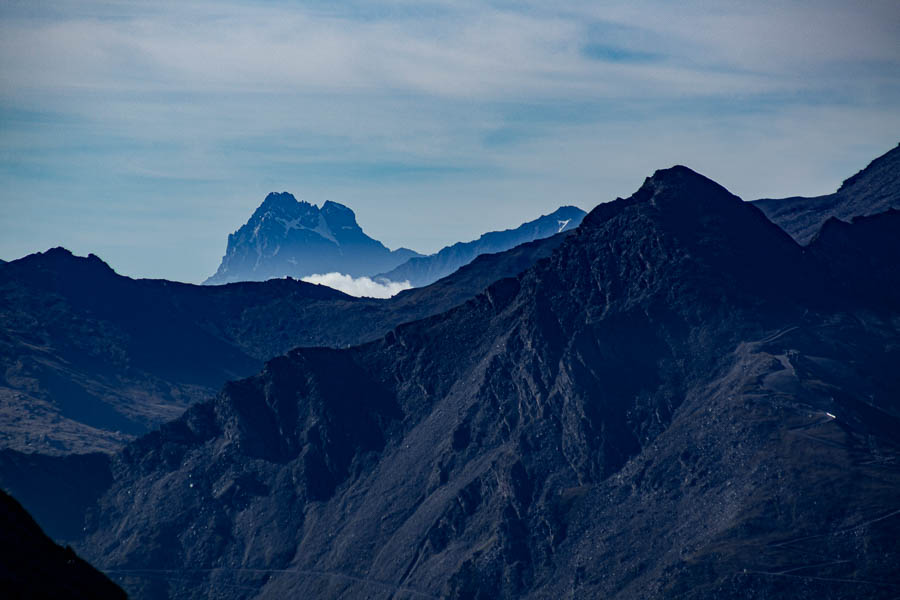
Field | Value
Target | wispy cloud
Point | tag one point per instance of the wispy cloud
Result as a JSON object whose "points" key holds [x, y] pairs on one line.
{"points": [[359, 286]]}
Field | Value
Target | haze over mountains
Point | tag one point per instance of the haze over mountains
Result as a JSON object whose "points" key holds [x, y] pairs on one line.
{"points": [[287, 238], [676, 399]]}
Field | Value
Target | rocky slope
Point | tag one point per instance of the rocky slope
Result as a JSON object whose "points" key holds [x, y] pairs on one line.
{"points": [[32, 566], [423, 270], [285, 237], [873, 190], [89, 359], [679, 402]]}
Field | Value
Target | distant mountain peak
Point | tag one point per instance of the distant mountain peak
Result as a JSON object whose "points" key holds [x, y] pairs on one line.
{"points": [[287, 237], [279, 199]]}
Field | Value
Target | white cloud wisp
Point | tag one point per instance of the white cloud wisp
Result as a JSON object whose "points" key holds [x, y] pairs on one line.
{"points": [[358, 286]]}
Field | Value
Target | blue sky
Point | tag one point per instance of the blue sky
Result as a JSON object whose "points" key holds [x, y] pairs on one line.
{"points": [[146, 132]]}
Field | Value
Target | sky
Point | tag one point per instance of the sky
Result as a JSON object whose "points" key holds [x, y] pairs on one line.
{"points": [[145, 132]]}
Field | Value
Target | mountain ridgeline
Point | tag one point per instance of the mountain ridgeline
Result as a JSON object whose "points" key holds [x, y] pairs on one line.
{"points": [[285, 237], [873, 190], [678, 401], [90, 359], [424, 270]]}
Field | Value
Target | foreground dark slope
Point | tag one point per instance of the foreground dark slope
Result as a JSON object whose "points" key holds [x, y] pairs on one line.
{"points": [[89, 359], [32, 566], [873, 190], [646, 413]]}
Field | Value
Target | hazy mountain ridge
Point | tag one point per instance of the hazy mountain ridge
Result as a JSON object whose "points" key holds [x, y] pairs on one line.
{"points": [[873, 190], [285, 237], [648, 412], [423, 270]]}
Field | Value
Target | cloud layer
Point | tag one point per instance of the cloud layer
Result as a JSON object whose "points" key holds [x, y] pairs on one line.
{"points": [[359, 286]]}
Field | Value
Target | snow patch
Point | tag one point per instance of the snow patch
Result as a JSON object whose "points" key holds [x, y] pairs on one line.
{"points": [[562, 225], [359, 286], [323, 229]]}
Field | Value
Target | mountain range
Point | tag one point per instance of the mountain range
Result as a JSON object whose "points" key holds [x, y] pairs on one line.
{"points": [[676, 399], [679, 401]]}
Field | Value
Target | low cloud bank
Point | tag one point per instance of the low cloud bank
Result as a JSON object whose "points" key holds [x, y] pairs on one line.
{"points": [[360, 286]]}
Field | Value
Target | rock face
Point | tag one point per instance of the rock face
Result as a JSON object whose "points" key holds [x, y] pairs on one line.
{"points": [[679, 401], [32, 566], [423, 270], [285, 237], [873, 190]]}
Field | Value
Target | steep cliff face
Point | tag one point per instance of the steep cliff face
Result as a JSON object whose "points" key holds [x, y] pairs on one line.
{"points": [[678, 401], [285, 237]]}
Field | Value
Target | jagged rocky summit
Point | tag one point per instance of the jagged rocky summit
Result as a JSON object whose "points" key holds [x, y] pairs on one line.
{"points": [[286, 237]]}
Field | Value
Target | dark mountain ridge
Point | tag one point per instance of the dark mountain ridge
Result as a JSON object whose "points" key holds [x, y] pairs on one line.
{"points": [[873, 190], [647, 412], [424, 270], [90, 358], [285, 237]]}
